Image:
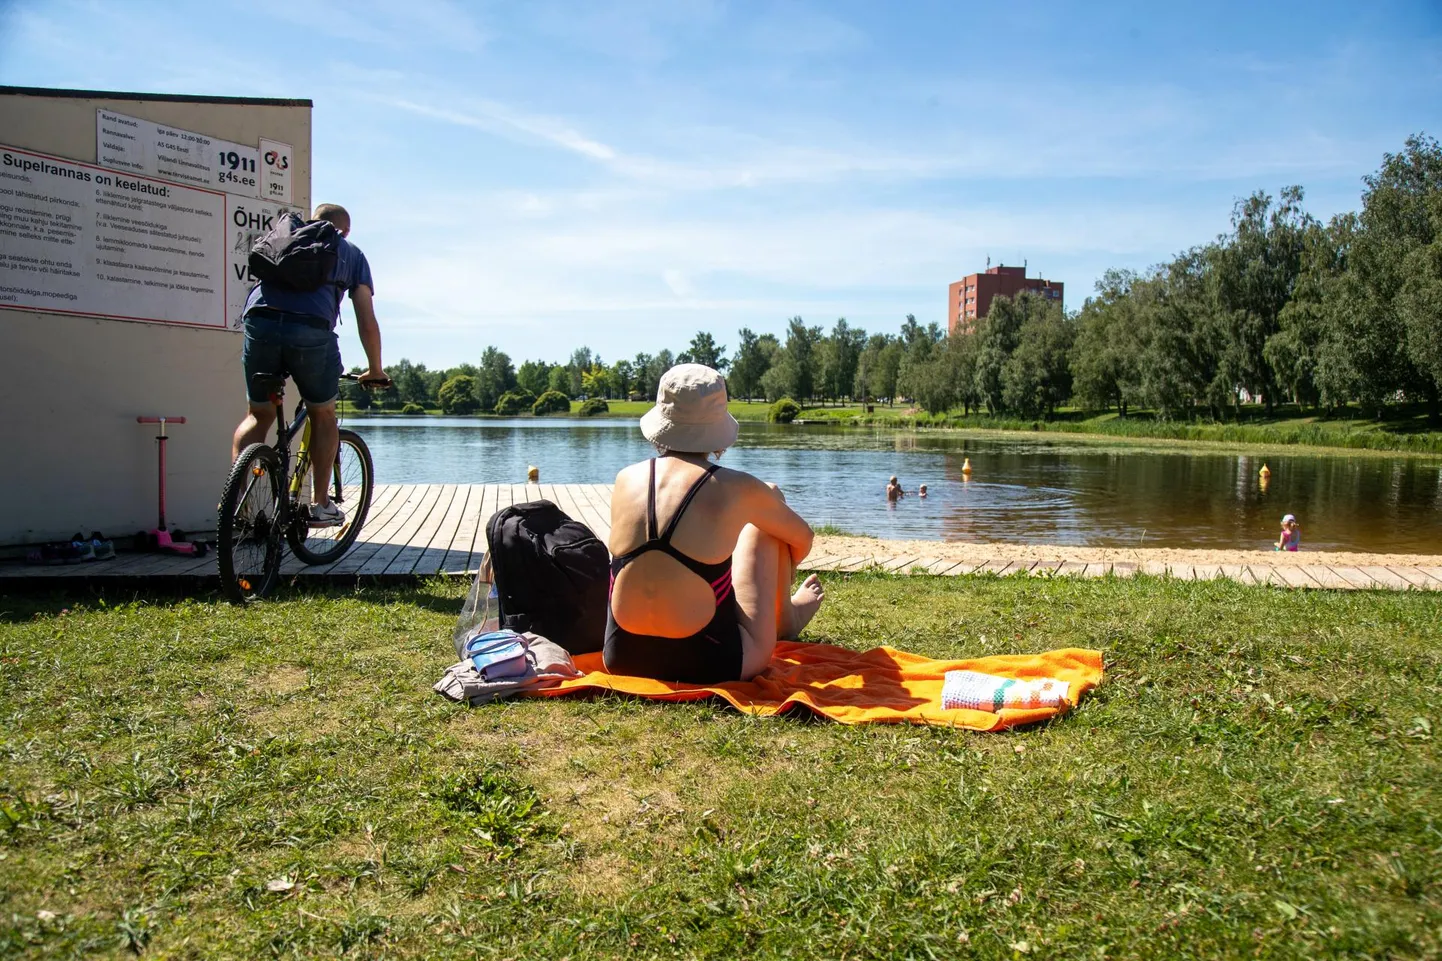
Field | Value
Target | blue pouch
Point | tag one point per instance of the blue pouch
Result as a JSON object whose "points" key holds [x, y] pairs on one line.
{"points": [[497, 654]]}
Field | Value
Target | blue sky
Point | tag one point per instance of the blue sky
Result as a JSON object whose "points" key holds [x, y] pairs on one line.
{"points": [[544, 175]]}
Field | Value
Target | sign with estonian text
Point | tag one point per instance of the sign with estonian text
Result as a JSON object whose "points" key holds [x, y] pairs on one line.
{"points": [[246, 221], [275, 163], [76, 238], [156, 150]]}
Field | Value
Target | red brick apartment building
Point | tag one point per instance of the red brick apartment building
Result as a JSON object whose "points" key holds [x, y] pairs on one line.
{"points": [[970, 297]]}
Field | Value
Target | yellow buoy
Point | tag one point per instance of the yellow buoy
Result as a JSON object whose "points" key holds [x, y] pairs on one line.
{"points": [[966, 465], [1265, 472]]}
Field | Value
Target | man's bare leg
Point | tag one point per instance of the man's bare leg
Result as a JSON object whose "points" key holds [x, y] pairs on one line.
{"points": [[253, 429], [324, 444]]}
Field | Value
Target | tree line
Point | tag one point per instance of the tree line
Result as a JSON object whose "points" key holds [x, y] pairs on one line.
{"points": [[1282, 308]]}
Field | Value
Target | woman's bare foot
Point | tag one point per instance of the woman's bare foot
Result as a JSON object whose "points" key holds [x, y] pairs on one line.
{"points": [[804, 605]]}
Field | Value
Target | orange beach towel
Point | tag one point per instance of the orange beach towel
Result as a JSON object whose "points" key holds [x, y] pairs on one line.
{"points": [[881, 685]]}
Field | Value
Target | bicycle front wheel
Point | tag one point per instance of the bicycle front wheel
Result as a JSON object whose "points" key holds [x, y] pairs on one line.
{"points": [[249, 541], [351, 484]]}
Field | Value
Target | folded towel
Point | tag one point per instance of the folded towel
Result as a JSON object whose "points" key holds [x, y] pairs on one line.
{"points": [[881, 685], [988, 692]]}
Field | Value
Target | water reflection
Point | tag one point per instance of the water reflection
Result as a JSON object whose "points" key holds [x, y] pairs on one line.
{"points": [[1023, 488]]}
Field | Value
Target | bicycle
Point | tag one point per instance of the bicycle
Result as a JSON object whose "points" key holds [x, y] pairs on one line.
{"points": [[264, 504]]}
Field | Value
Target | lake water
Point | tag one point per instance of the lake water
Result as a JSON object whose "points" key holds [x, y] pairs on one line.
{"points": [[1023, 488]]}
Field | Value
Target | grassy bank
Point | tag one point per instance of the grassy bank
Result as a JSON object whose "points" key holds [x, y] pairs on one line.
{"points": [[1257, 776], [1407, 431]]}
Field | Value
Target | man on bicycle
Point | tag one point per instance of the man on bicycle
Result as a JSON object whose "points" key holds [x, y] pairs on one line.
{"points": [[293, 332]]}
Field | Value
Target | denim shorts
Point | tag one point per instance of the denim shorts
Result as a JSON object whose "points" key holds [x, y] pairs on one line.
{"points": [[281, 343]]}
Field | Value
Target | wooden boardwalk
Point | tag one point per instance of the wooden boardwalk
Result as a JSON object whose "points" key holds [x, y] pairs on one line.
{"points": [[426, 529]]}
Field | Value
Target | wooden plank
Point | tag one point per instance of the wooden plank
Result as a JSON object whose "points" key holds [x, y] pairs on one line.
{"points": [[380, 562], [1416, 577], [1352, 576], [1386, 578], [457, 551], [944, 568], [1206, 572], [1294, 576], [586, 511], [896, 562], [386, 501], [1236, 572], [1153, 568], [488, 501], [1182, 572], [856, 562], [1433, 572], [1071, 569], [999, 568], [408, 559], [373, 539], [1324, 576], [1045, 568], [1098, 569], [1124, 568], [601, 500]]}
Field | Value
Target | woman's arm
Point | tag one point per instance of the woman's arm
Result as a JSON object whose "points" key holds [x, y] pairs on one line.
{"points": [[768, 510]]}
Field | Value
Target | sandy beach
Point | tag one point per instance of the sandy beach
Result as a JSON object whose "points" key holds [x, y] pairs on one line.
{"points": [[964, 551]]}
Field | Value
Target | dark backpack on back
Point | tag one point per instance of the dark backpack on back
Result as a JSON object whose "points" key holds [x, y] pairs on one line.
{"points": [[552, 575], [295, 254]]}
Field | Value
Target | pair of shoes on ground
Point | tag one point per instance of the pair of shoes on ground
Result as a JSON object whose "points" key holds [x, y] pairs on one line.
{"points": [[77, 550]]}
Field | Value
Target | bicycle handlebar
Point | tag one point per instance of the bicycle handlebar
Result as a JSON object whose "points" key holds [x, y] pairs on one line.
{"points": [[370, 384]]}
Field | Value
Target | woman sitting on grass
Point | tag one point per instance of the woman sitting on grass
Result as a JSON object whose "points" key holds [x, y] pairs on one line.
{"points": [[702, 557]]}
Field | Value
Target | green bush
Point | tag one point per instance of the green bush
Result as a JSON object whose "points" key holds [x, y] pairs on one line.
{"points": [[514, 402], [413, 409], [594, 406], [784, 411], [551, 402], [458, 395]]}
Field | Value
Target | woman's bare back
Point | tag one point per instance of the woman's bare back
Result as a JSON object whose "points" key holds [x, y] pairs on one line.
{"points": [[656, 594]]}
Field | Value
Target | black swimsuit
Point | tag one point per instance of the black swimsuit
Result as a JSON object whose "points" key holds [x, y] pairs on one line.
{"points": [[712, 654]]}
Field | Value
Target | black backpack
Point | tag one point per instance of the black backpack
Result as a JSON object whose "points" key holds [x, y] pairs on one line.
{"points": [[552, 575], [295, 254]]}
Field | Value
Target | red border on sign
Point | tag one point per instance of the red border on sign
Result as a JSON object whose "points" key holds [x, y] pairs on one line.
{"points": [[225, 293]]}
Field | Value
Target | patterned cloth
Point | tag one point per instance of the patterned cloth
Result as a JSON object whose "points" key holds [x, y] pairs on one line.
{"points": [[976, 691]]}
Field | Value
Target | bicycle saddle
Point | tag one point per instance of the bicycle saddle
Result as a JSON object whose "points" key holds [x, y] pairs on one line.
{"points": [[270, 383]]}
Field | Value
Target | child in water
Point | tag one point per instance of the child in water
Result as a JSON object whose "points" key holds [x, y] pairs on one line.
{"points": [[1291, 536], [893, 489], [921, 491]]}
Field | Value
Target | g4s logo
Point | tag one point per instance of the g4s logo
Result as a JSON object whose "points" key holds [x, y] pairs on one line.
{"points": [[274, 158]]}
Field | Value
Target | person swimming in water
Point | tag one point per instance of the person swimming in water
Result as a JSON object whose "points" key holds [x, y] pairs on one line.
{"points": [[921, 491], [893, 489]]}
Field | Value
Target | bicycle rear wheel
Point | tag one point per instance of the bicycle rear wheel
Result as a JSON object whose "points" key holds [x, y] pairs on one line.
{"points": [[352, 482], [249, 541]]}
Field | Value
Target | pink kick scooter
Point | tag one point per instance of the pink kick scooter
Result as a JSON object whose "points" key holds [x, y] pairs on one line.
{"points": [[160, 539]]}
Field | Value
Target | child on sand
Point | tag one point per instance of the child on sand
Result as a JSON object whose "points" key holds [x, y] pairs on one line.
{"points": [[1291, 536], [893, 489]]}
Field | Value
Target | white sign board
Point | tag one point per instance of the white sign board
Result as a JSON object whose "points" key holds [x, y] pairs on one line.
{"points": [[246, 221], [79, 239], [155, 150], [275, 163]]}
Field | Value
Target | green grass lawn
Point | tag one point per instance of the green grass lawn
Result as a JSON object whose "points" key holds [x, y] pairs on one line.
{"points": [[1258, 775]]}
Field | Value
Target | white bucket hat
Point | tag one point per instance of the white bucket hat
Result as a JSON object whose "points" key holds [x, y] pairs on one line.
{"points": [[690, 413]]}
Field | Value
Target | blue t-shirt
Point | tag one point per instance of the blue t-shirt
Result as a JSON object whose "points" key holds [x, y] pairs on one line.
{"points": [[351, 271]]}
